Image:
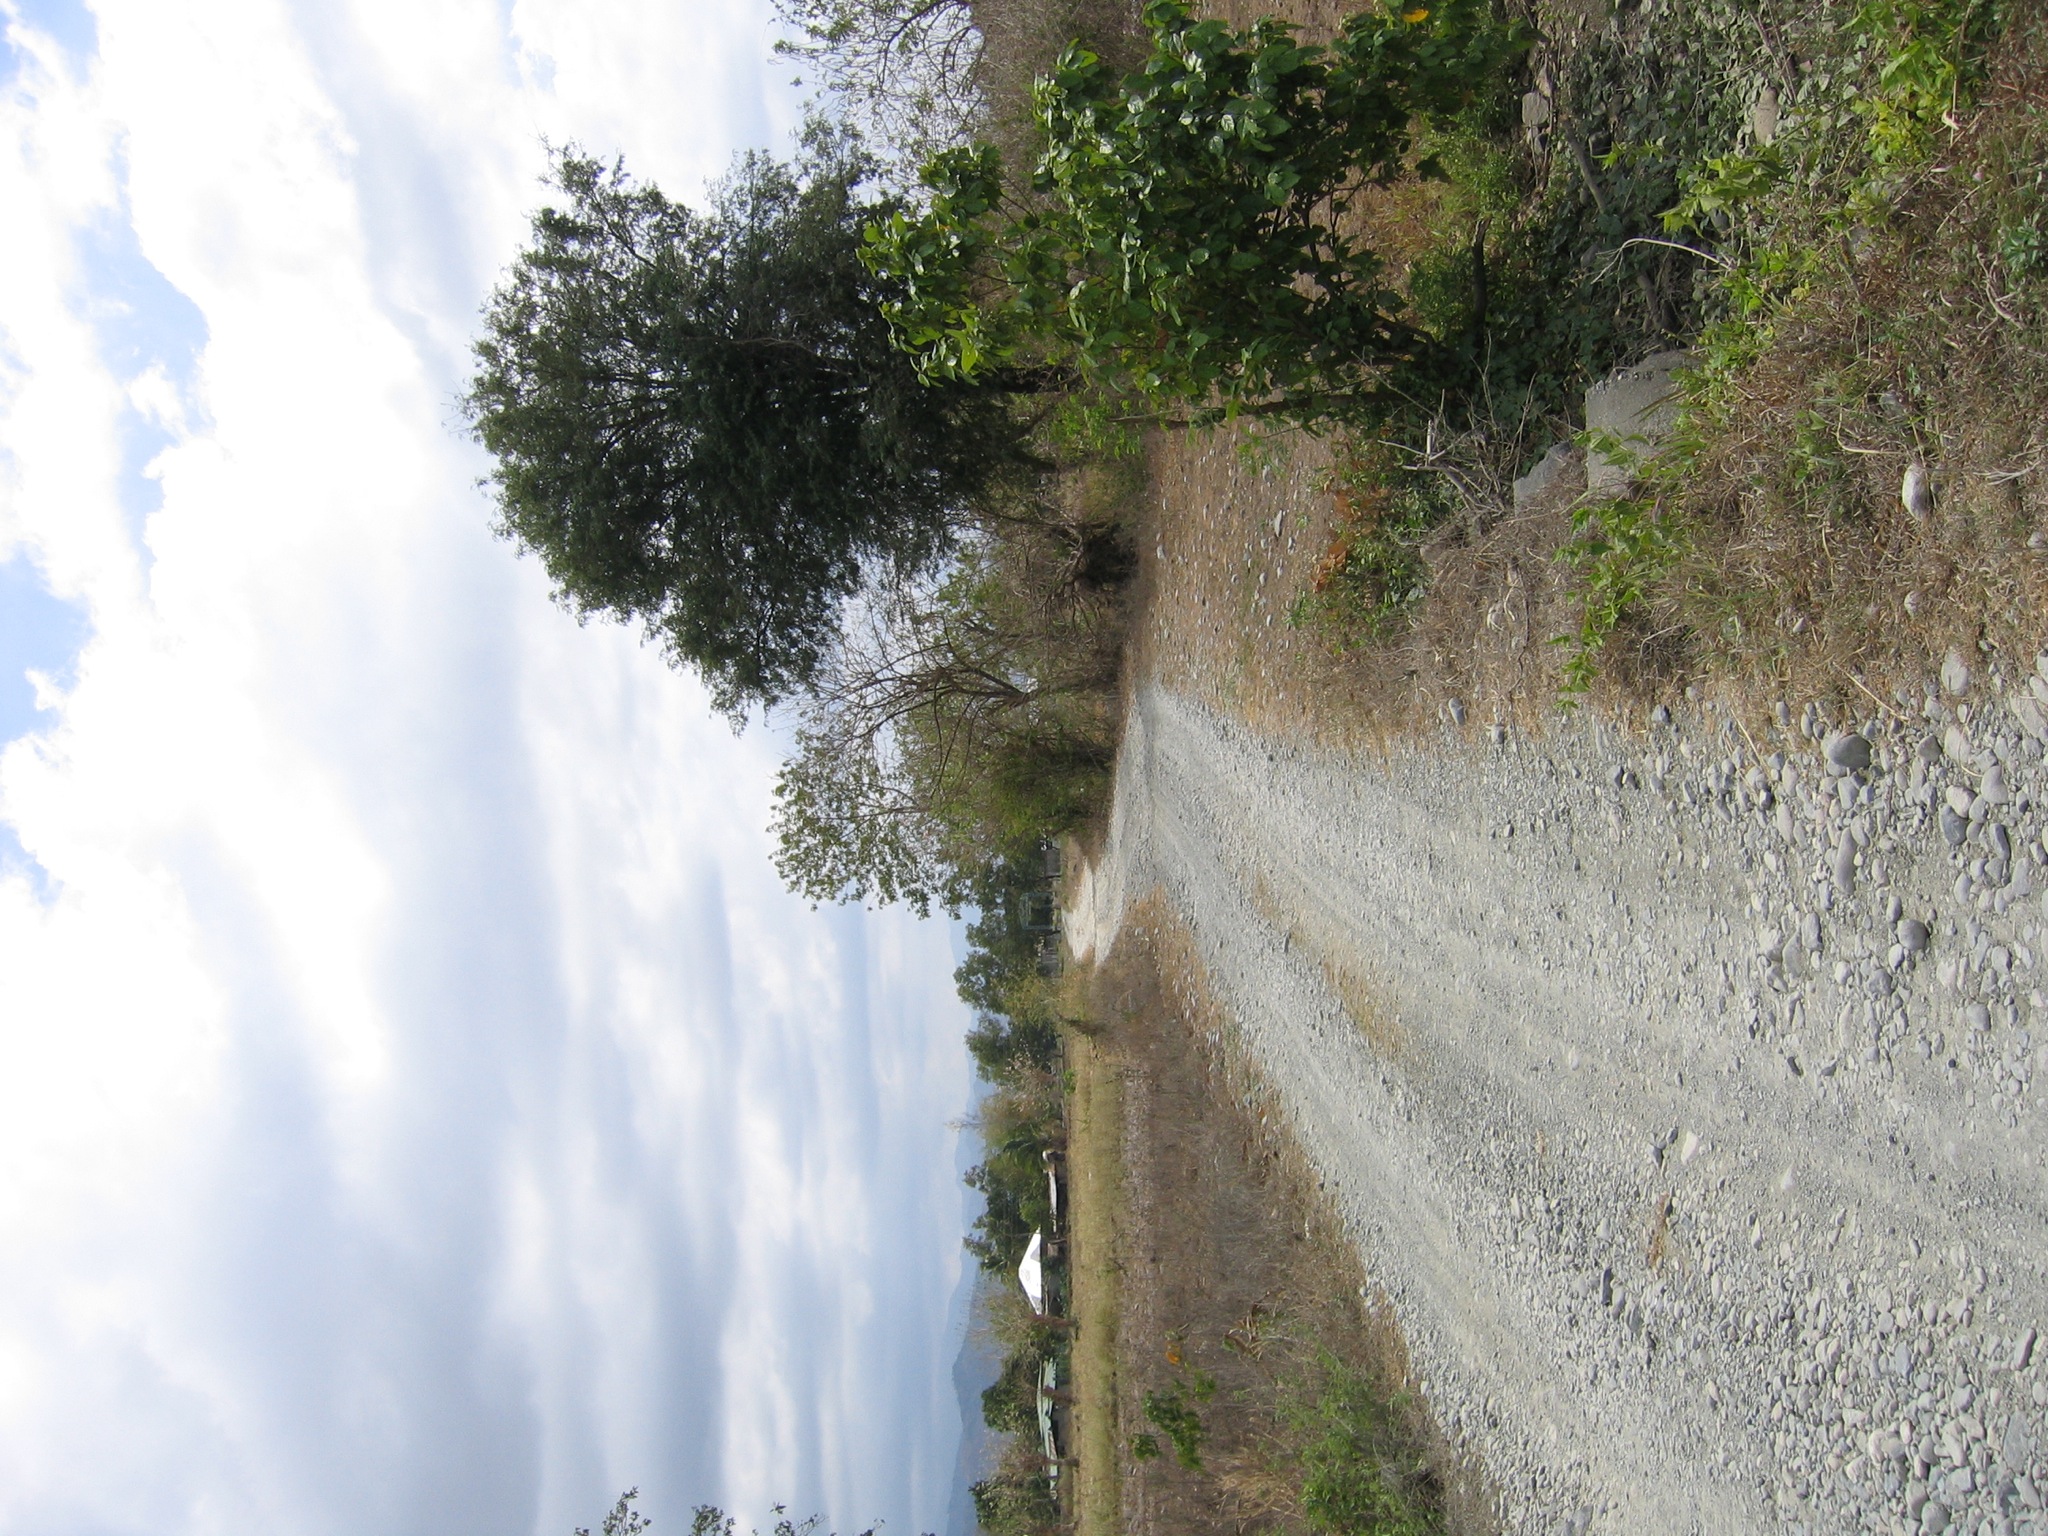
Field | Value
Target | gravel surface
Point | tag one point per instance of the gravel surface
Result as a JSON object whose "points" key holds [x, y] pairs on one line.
{"points": [[1676, 1084]]}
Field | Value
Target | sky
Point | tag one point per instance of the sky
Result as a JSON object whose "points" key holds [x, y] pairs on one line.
{"points": [[421, 1108]]}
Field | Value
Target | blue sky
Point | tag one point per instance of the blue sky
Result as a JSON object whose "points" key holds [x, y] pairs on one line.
{"points": [[420, 1107]]}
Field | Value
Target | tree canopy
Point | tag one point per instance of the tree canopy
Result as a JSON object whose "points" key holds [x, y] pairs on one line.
{"points": [[1183, 235], [700, 422]]}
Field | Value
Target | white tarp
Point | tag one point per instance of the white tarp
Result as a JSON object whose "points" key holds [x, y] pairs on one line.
{"points": [[1031, 1273]]}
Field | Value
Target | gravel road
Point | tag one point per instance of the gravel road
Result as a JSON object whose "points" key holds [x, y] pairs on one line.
{"points": [[1676, 1084]]}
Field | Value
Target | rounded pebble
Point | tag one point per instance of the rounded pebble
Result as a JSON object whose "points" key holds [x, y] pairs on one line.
{"points": [[1849, 751]]}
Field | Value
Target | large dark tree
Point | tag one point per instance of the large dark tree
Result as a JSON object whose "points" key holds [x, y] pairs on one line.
{"points": [[700, 422]]}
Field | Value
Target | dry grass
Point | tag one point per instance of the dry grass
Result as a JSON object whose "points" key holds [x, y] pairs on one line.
{"points": [[1231, 537], [1231, 1264], [1096, 1224], [1807, 572]]}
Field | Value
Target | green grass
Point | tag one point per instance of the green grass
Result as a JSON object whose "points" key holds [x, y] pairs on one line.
{"points": [[1360, 1471]]}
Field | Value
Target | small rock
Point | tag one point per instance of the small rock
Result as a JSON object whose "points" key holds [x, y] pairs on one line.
{"points": [[1849, 751], [1993, 788], [2032, 715], [1955, 673], [1916, 495], [1845, 863], [1770, 944], [1880, 985], [2022, 1352], [1958, 747], [1934, 1517], [1661, 715], [1929, 750], [1960, 800], [1690, 1149], [1535, 109], [1954, 828], [1457, 709], [1765, 115], [2017, 1449], [1977, 1016], [1559, 469], [1912, 934]]}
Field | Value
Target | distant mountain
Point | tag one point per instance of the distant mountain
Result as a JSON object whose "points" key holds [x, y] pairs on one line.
{"points": [[975, 1369], [978, 1362]]}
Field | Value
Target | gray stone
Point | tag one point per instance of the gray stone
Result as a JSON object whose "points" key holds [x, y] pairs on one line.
{"points": [[1765, 115], [1954, 828], [1880, 985], [1535, 109], [1457, 711], [1960, 800], [1934, 1517], [1845, 863], [1912, 934], [1929, 750], [2032, 716], [2022, 1351], [1957, 746], [1993, 788], [1560, 466], [1955, 673], [2017, 1448], [1977, 1016], [1849, 751], [1916, 495], [1638, 405]]}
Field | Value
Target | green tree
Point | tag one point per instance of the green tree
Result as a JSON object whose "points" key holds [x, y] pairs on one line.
{"points": [[700, 423], [1014, 1503], [1184, 236]]}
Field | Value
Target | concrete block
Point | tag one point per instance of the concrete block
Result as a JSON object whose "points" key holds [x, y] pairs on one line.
{"points": [[1637, 404]]}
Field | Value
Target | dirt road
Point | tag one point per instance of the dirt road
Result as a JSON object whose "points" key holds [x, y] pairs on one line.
{"points": [[1706, 1183]]}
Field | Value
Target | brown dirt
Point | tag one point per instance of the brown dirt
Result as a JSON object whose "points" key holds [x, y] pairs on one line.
{"points": [[1235, 528]]}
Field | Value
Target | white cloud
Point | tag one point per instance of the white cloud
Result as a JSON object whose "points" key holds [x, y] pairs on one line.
{"points": [[419, 1107]]}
